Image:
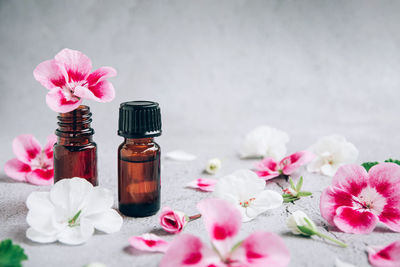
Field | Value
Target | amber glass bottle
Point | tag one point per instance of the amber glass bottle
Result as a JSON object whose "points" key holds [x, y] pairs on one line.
{"points": [[139, 159], [75, 153]]}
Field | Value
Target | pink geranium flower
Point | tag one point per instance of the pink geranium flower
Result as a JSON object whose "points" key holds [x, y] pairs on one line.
{"points": [[357, 200], [149, 242], [172, 221], [222, 221], [388, 256], [203, 184], [268, 168], [69, 80], [32, 163]]}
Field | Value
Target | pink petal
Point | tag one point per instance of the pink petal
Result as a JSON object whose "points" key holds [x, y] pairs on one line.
{"points": [[26, 148], [352, 178], [56, 100], [188, 250], [267, 175], [355, 221], [85, 93], [267, 169], [149, 242], [41, 177], [100, 75], [48, 148], [16, 169], [331, 199], [172, 221], [103, 91], [203, 184], [76, 64], [222, 221], [388, 256], [262, 249], [49, 74], [293, 162]]}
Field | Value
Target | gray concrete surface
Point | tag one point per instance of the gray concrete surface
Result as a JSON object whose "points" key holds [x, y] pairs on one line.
{"points": [[218, 69]]}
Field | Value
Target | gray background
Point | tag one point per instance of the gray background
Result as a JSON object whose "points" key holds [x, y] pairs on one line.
{"points": [[218, 69]]}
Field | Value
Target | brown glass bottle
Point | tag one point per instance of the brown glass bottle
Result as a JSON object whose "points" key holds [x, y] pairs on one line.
{"points": [[75, 153], [139, 185]]}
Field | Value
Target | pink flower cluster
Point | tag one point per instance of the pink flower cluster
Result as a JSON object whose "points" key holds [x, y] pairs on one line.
{"points": [[69, 80], [32, 163], [172, 221], [268, 168]]}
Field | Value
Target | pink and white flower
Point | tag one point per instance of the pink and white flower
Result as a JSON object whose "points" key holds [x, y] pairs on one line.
{"points": [[203, 184], [69, 80], [32, 163], [269, 168], [222, 221], [356, 201], [388, 256], [172, 221], [149, 242]]}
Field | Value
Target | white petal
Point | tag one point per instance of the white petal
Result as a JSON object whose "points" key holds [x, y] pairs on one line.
{"points": [[109, 221], [70, 194], [315, 165], [267, 200], [180, 155], [39, 237], [99, 200], [77, 235], [339, 263], [264, 141], [329, 170], [292, 225]]}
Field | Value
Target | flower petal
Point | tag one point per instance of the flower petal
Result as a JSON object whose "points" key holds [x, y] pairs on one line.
{"points": [[40, 237], [48, 148], [78, 234], [100, 74], [98, 200], [188, 250], [108, 221], [331, 199], [49, 74], [103, 91], [26, 148], [57, 101], [388, 256], [264, 201], [262, 249], [41, 177], [339, 263], [149, 242], [267, 168], [293, 162], [352, 178], [222, 221], [352, 220], [16, 169], [76, 64], [180, 155], [203, 184], [172, 221]]}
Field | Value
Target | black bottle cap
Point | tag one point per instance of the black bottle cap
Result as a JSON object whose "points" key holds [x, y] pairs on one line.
{"points": [[139, 119]]}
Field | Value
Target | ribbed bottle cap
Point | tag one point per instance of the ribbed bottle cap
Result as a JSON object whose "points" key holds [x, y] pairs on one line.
{"points": [[139, 119]]}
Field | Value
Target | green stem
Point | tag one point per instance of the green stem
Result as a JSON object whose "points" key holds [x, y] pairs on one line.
{"points": [[343, 245]]}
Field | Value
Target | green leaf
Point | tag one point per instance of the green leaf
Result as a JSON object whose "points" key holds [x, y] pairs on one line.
{"points": [[304, 194], [393, 161], [290, 199], [11, 255], [305, 230], [299, 184], [291, 183], [369, 165]]}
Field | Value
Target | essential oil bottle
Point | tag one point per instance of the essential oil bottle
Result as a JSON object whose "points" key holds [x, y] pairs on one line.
{"points": [[75, 153], [139, 159]]}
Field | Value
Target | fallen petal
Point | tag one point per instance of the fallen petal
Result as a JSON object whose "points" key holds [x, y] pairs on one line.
{"points": [[149, 242], [108, 221], [339, 263], [291, 163], [388, 256], [26, 147], [203, 184], [16, 169], [180, 155]]}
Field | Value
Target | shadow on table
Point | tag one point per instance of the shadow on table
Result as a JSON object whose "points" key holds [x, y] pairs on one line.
{"points": [[135, 252], [4, 179]]}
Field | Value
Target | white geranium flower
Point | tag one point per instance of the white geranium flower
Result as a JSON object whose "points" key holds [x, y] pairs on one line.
{"points": [[247, 191], [70, 212], [299, 218], [331, 152], [213, 165], [265, 141]]}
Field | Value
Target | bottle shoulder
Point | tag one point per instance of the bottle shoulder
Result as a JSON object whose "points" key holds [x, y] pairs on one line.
{"points": [[147, 150]]}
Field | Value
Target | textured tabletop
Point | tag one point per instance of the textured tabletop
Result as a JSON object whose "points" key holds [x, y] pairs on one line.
{"points": [[218, 69]]}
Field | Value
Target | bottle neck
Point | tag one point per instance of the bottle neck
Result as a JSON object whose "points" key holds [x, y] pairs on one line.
{"points": [[74, 127], [139, 141]]}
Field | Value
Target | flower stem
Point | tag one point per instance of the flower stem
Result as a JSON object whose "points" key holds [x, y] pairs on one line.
{"points": [[194, 217], [343, 245]]}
